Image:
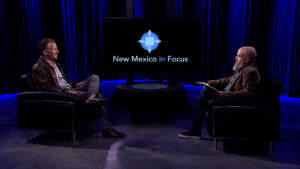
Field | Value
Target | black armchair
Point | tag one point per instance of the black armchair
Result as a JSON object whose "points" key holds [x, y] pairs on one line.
{"points": [[248, 117], [56, 111]]}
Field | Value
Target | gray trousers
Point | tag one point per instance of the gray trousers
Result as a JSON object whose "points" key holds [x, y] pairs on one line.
{"points": [[91, 87]]}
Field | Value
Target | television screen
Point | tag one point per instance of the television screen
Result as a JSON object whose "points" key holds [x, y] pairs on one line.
{"points": [[150, 44]]}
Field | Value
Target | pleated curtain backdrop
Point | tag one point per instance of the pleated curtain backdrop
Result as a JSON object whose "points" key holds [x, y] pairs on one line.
{"points": [[272, 26]]}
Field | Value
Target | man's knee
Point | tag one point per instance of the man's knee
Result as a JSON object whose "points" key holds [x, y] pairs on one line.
{"points": [[205, 91], [95, 77], [208, 94], [200, 100], [204, 97]]}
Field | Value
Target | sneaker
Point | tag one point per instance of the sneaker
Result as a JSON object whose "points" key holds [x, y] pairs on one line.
{"points": [[190, 134]]}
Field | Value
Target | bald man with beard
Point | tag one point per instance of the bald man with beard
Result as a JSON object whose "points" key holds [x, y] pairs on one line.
{"points": [[243, 82]]}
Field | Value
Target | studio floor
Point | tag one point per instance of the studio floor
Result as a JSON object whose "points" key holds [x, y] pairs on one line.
{"points": [[147, 146], [151, 143]]}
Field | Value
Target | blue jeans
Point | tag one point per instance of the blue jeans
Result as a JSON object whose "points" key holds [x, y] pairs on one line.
{"points": [[201, 108]]}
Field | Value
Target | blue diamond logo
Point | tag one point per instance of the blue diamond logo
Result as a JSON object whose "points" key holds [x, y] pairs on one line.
{"points": [[149, 41]]}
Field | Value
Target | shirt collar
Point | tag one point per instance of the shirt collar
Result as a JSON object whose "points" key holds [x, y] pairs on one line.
{"points": [[48, 61]]}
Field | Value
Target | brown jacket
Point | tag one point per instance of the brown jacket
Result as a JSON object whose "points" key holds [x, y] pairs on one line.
{"points": [[245, 84], [45, 78]]}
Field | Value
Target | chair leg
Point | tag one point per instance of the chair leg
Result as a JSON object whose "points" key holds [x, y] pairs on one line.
{"points": [[27, 135], [215, 144], [271, 148], [94, 125], [74, 137]]}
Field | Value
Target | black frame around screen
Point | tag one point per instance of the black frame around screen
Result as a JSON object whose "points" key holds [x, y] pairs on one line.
{"points": [[180, 38]]}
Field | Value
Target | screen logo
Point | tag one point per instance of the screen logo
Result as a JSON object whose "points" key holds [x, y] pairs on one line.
{"points": [[149, 41]]}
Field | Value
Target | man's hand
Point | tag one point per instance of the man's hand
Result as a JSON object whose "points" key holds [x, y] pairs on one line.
{"points": [[79, 84], [221, 93], [74, 92]]}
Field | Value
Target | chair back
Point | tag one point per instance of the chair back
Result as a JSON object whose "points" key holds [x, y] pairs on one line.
{"points": [[28, 83], [270, 89]]}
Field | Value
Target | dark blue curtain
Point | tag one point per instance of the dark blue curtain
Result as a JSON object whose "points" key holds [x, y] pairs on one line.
{"points": [[3, 53], [20, 33], [82, 36], [272, 26], [283, 57]]}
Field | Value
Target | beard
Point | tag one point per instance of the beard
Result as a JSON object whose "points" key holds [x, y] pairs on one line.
{"points": [[237, 66]]}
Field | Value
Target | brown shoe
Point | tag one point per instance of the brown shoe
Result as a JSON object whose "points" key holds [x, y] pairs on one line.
{"points": [[112, 133]]}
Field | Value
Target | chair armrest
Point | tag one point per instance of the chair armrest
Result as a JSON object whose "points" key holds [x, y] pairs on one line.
{"points": [[46, 114], [250, 101], [57, 96]]}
